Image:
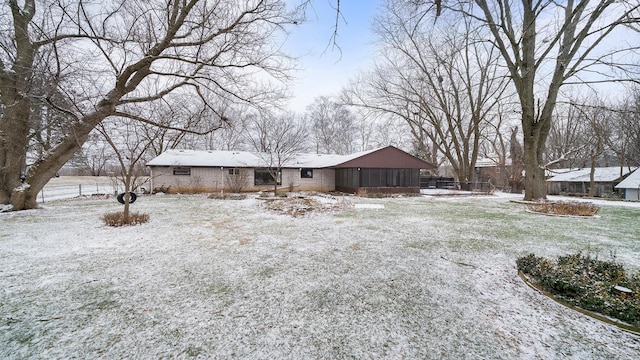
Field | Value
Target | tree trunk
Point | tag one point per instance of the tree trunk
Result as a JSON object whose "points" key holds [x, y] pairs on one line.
{"points": [[126, 198], [592, 177], [13, 148], [37, 175], [14, 117], [19, 185], [534, 181], [535, 186]]}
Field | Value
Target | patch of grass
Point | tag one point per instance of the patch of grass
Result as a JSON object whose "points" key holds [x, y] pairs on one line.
{"points": [[588, 283], [116, 219], [24, 336], [193, 351], [267, 272], [574, 208]]}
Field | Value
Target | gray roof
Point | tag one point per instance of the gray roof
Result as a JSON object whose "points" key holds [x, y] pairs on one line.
{"points": [[631, 182], [211, 158], [602, 174]]}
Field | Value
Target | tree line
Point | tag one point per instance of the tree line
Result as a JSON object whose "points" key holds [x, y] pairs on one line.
{"points": [[454, 81]]}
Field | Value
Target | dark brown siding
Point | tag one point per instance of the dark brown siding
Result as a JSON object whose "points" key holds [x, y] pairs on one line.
{"points": [[388, 158]]}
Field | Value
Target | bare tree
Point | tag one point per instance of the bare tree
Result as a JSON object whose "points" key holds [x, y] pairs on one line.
{"points": [[547, 45], [231, 135], [626, 138], [178, 126], [109, 57], [131, 147], [439, 80], [598, 121], [566, 141], [277, 139], [237, 179], [366, 121], [500, 145], [95, 155], [334, 126], [390, 130]]}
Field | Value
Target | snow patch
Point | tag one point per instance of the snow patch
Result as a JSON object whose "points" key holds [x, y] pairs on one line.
{"points": [[22, 187]]}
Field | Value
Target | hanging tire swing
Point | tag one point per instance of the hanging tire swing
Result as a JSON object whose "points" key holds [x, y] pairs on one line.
{"points": [[132, 197]]}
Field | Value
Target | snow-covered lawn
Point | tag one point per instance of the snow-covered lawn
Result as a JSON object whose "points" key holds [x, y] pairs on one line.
{"points": [[403, 278]]}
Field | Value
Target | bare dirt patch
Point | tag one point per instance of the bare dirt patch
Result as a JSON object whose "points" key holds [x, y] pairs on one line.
{"points": [[303, 205]]}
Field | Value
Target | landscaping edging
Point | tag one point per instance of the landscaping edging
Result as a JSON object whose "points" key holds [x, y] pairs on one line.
{"points": [[621, 325]]}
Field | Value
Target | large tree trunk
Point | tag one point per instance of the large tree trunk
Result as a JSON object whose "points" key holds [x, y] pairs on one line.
{"points": [[534, 181], [14, 124], [19, 185], [535, 187], [535, 138], [24, 196], [13, 145], [592, 177]]}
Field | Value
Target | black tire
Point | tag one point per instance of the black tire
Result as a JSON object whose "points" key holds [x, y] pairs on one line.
{"points": [[132, 197]]}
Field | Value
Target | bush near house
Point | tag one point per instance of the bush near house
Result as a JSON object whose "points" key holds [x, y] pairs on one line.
{"points": [[588, 283]]}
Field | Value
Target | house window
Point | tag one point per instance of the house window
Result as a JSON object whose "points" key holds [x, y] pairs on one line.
{"points": [[265, 177], [181, 171], [306, 173], [234, 171]]}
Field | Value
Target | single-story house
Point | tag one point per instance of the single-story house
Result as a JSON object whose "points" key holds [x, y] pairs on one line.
{"points": [[577, 181], [386, 169], [630, 186]]}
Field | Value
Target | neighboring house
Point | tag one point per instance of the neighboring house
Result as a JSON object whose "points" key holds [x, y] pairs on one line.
{"points": [[577, 181], [630, 186], [489, 170], [386, 169]]}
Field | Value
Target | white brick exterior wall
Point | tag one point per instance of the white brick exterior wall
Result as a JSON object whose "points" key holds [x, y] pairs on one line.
{"points": [[207, 179]]}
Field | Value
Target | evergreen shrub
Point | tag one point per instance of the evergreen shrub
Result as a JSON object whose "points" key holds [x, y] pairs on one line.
{"points": [[586, 282]]}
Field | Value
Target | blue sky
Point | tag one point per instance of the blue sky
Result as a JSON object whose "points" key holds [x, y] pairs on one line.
{"points": [[325, 69]]}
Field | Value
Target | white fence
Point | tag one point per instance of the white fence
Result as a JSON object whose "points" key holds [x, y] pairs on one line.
{"points": [[68, 187]]}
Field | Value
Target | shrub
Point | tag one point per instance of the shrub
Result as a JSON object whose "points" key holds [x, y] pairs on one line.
{"points": [[583, 281], [575, 208], [162, 189], [237, 181], [118, 219]]}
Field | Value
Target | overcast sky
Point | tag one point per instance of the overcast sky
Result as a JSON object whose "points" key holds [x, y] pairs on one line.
{"points": [[325, 68]]}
